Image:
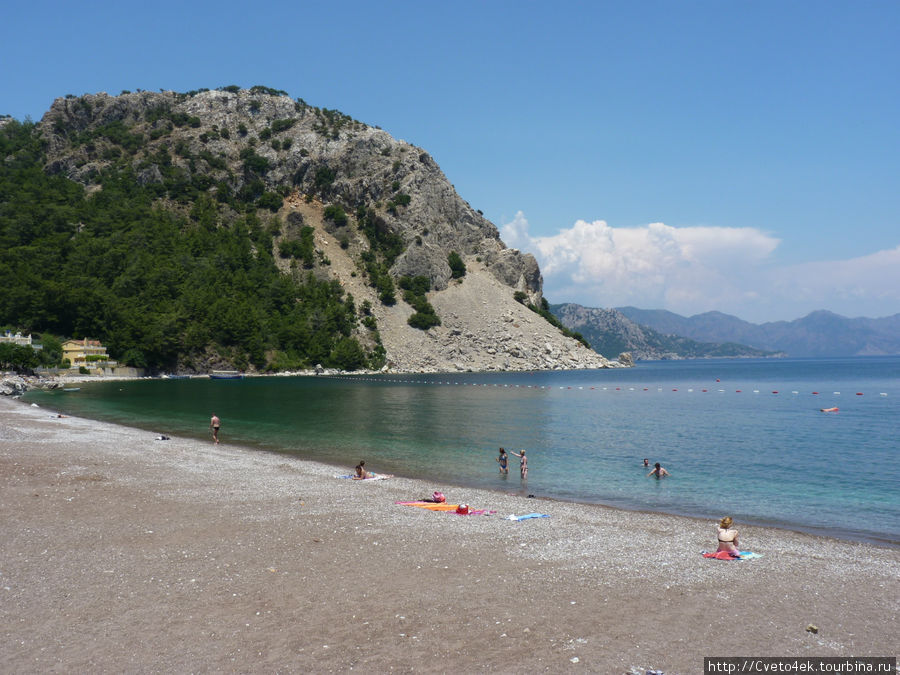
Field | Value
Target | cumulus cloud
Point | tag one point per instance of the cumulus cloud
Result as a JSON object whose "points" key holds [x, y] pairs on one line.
{"points": [[690, 270]]}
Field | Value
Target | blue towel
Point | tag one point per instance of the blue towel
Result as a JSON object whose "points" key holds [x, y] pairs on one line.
{"points": [[527, 516]]}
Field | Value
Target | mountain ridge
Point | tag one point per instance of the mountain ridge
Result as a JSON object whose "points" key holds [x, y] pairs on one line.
{"points": [[820, 333], [611, 331], [238, 182]]}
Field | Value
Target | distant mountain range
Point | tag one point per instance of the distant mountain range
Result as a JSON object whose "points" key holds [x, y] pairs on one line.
{"points": [[819, 333], [659, 334], [610, 332]]}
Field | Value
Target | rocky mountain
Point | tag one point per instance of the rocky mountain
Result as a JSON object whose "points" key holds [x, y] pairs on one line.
{"points": [[818, 334], [332, 197], [610, 331]]}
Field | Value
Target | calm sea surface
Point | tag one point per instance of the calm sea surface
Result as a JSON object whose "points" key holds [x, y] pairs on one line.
{"points": [[731, 443]]}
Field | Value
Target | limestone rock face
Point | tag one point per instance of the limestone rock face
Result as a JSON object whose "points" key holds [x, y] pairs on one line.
{"points": [[626, 359], [318, 158], [12, 385]]}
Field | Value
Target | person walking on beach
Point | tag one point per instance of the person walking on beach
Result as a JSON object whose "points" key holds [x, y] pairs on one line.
{"points": [[658, 471], [503, 460], [214, 424], [523, 463]]}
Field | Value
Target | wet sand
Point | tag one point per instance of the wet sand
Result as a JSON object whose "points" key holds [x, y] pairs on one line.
{"points": [[122, 553]]}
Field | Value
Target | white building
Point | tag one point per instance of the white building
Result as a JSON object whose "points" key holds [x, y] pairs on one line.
{"points": [[17, 339]]}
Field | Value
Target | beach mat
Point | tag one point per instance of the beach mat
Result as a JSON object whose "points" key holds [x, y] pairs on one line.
{"points": [[431, 506], [725, 555], [436, 506]]}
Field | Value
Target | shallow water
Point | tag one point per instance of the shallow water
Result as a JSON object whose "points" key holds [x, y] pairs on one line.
{"points": [[732, 445]]}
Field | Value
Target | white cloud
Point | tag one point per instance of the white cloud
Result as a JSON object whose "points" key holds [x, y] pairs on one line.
{"points": [[697, 269]]}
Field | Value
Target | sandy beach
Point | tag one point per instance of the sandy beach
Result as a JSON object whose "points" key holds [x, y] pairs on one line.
{"points": [[122, 553]]}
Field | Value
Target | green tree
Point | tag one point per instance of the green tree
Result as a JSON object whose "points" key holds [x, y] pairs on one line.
{"points": [[348, 355], [457, 266]]}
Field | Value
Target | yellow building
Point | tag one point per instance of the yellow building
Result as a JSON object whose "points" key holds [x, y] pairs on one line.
{"points": [[86, 353]]}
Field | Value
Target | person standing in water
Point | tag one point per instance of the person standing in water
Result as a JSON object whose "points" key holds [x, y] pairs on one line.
{"points": [[658, 471], [523, 463], [503, 461], [214, 424]]}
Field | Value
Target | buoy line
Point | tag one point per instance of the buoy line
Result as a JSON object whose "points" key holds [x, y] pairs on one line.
{"points": [[669, 389]]}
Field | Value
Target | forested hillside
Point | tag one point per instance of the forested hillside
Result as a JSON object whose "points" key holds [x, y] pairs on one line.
{"points": [[162, 287]]}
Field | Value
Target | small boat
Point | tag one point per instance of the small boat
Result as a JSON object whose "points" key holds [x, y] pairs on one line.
{"points": [[225, 375], [72, 389]]}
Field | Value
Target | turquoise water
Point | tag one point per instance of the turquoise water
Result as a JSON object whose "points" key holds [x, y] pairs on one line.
{"points": [[736, 448]]}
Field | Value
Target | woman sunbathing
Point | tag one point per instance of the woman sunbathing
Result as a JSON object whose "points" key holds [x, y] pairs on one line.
{"points": [[362, 474], [728, 537]]}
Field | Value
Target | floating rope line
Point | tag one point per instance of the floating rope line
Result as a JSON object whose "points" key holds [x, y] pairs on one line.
{"points": [[773, 392]]}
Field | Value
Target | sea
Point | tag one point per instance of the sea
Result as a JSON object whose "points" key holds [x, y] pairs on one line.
{"points": [[739, 437]]}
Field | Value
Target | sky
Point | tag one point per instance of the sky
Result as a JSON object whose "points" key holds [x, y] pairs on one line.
{"points": [[740, 157]]}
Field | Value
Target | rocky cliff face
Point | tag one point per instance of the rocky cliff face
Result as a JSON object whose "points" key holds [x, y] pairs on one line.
{"points": [[263, 143]]}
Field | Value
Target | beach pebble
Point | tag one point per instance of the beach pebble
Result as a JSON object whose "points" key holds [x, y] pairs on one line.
{"points": [[812, 629]]}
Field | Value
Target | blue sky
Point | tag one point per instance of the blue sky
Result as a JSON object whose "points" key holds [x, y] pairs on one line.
{"points": [[694, 156]]}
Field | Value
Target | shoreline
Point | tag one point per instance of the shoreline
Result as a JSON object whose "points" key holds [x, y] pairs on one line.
{"points": [[129, 554], [855, 536]]}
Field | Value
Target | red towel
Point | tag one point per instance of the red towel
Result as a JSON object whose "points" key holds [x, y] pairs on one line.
{"points": [[723, 555]]}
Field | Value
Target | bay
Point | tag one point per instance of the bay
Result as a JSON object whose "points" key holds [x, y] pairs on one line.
{"points": [[744, 437]]}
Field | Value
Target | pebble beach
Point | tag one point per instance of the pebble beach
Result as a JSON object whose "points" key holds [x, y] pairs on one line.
{"points": [[123, 553]]}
